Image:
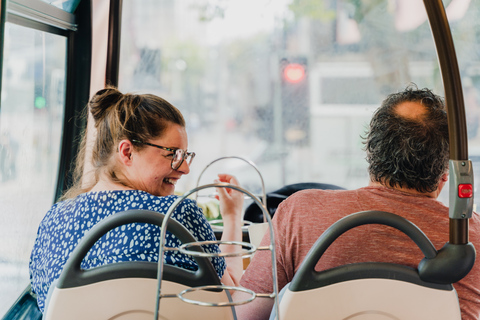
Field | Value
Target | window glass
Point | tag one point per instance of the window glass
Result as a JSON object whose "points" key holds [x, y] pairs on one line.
{"points": [[290, 85], [65, 5], [31, 119]]}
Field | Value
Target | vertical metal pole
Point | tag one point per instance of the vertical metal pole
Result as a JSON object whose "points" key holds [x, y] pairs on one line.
{"points": [[113, 49], [451, 79], [457, 127]]}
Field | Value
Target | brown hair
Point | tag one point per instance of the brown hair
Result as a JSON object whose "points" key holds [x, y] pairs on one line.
{"points": [[120, 116], [404, 152]]}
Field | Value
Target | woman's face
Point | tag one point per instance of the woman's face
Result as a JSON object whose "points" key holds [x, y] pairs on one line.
{"points": [[151, 169]]}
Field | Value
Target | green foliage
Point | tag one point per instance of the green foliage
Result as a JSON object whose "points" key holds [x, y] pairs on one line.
{"points": [[209, 10], [364, 7], [313, 9], [243, 52], [191, 52]]}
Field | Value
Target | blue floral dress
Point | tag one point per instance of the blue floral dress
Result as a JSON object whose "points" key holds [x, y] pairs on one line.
{"points": [[66, 223]]}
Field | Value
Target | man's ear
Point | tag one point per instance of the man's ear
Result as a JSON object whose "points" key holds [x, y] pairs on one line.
{"points": [[125, 151], [441, 184], [445, 176]]}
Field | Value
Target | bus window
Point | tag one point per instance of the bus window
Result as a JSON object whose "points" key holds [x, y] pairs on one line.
{"points": [[288, 86], [31, 121], [223, 62], [66, 5]]}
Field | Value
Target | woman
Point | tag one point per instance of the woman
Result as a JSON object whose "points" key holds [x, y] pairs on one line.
{"points": [[138, 156]]}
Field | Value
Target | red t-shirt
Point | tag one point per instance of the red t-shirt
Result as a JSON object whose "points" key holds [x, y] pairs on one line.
{"points": [[302, 218]]}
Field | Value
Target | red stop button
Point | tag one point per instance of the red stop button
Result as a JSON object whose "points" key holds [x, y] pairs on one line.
{"points": [[465, 190]]}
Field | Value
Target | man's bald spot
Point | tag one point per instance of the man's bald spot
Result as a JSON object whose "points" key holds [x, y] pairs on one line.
{"points": [[411, 110]]}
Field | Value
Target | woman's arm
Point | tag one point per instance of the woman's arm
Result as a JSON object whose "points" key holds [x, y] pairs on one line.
{"points": [[231, 208]]}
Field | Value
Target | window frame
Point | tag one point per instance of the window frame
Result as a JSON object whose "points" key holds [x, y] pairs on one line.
{"points": [[114, 36], [3, 9], [38, 15]]}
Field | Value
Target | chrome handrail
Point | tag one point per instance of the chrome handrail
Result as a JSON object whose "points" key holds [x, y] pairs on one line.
{"points": [[264, 194], [163, 232], [222, 304]]}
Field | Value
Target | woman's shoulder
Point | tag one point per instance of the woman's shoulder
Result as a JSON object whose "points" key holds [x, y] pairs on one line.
{"points": [[114, 197], [100, 204], [163, 201], [139, 199]]}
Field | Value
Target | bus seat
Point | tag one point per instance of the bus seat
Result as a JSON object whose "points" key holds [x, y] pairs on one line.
{"points": [[128, 290], [254, 214], [371, 290]]}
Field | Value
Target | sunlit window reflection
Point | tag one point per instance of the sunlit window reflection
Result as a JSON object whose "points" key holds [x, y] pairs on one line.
{"points": [[31, 118], [223, 63]]}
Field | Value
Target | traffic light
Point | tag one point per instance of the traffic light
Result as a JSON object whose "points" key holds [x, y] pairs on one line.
{"points": [[295, 101], [294, 72]]}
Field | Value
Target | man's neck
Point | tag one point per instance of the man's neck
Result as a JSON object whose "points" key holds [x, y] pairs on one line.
{"points": [[433, 194]]}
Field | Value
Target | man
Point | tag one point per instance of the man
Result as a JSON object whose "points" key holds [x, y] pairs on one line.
{"points": [[407, 151]]}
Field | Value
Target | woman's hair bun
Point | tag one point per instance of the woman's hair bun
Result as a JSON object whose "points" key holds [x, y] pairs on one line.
{"points": [[103, 101]]}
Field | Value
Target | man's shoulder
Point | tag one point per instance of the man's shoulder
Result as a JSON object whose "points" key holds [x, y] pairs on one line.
{"points": [[474, 224], [306, 202], [309, 194]]}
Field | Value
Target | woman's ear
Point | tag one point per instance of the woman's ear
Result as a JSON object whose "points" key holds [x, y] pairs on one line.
{"points": [[125, 151]]}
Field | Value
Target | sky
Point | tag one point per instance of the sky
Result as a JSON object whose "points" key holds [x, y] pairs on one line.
{"points": [[246, 17]]}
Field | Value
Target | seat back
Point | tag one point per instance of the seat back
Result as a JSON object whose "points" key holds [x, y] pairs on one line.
{"points": [[128, 290], [400, 295], [273, 199], [373, 291], [132, 299]]}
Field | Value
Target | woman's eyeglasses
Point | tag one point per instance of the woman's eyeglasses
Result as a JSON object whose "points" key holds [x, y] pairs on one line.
{"points": [[179, 155]]}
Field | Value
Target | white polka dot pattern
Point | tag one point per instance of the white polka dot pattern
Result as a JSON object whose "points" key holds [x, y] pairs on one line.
{"points": [[66, 223]]}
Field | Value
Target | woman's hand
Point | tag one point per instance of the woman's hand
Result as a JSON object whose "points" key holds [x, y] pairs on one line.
{"points": [[231, 201]]}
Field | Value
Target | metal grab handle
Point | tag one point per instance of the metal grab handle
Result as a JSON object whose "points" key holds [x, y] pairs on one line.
{"points": [[264, 194], [222, 304], [457, 127], [163, 236], [215, 227], [250, 249]]}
